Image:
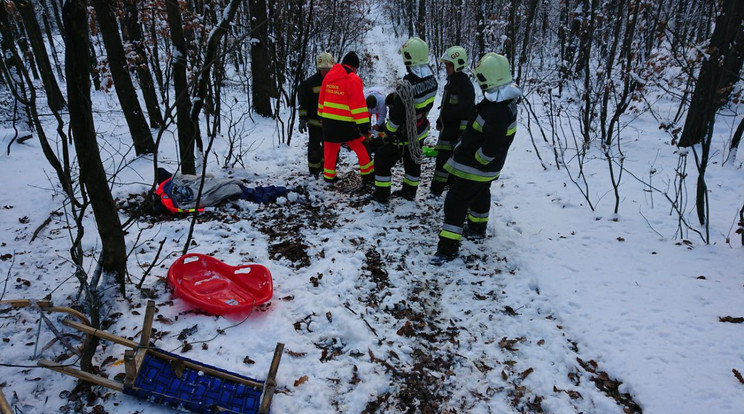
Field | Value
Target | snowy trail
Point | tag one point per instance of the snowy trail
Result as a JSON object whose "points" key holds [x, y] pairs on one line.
{"points": [[399, 334]]}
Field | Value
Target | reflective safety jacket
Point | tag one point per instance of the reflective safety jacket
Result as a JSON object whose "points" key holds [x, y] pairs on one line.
{"points": [[424, 92], [342, 106], [165, 192], [307, 97], [481, 152], [458, 104]]}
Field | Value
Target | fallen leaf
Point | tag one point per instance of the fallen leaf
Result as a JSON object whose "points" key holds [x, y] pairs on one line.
{"points": [[730, 319], [300, 381], [738, 376]]}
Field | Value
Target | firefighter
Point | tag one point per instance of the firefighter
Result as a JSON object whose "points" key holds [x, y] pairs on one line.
{"points": [[345, 117], [307, 95], [479, 157], [458, 103], [423, 87]]}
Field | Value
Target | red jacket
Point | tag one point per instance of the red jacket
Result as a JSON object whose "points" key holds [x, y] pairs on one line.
{"points": [[342, 105]]}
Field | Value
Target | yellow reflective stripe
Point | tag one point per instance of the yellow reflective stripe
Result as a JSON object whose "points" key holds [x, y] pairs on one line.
{"points": [[359, 110], [478, 123], [480, 159], [303, 112], [316, 89], [362, 121], [475, 219], [314, 122], [450, 235], [368, 168], [314, 164], [420, 105], [512, 129], [337, 117], [392, 127], [336, 105], [410, 182], [382, 184], [470, 173]]}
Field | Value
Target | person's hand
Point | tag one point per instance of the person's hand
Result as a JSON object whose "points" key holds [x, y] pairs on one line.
{"points": [[302, 127], [376, 127]]}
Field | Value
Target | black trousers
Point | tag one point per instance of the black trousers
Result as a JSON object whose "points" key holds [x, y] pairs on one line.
{"points": [[440, 179], [315, 150], [464, 197], [385, 159]]}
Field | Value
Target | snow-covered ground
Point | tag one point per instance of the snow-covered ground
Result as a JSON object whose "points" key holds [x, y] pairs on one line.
{"points": [[562, 309]]}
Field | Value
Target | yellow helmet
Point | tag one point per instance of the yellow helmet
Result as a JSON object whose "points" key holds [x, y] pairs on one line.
{"points": [[324, 60], [457, 56], [492, 71], [415, 52]]}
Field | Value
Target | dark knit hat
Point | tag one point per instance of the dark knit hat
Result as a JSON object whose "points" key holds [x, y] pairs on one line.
{"points": [[163, 175], [351, 59]]}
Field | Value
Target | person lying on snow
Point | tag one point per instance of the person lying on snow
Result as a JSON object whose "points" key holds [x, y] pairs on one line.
{"points": [[178, 193]]}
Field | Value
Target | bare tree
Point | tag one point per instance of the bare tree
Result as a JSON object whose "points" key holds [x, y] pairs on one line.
{"points": [[54, 94], [92, 172], [133, 34], [718, 73], [109, 28], [260, 63], [187, 131]]}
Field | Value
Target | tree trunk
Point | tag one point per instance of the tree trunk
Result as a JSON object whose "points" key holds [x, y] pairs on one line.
{"points": [[141, 135], [92, 172], [421, 20], [718, 73], [187, 131], [54, 95], [260, 59], [57, 17], [22, 40], [13, 62], [480, 32], [50, 40], [133, 34], [211, 53], [93, 62]]}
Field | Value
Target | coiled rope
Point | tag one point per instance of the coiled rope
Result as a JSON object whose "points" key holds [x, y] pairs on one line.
{"points": [[404, 89]]}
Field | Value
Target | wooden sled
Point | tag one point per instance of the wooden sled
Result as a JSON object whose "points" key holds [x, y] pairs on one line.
{"points": [[159, 376]]}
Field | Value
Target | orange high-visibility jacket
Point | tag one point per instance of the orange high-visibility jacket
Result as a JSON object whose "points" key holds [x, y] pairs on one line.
{"points": [[342, 106]]}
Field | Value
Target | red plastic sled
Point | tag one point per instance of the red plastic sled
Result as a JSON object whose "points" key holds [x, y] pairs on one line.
{"points": [[219, 288]]}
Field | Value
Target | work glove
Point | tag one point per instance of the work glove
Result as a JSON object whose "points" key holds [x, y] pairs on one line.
{"points": [[302, 127]]}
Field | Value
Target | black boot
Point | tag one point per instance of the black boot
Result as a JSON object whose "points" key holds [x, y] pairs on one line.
{"points": [[437, 188], [408, 192], [381, 195], [474, 231], [447, 250]]}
